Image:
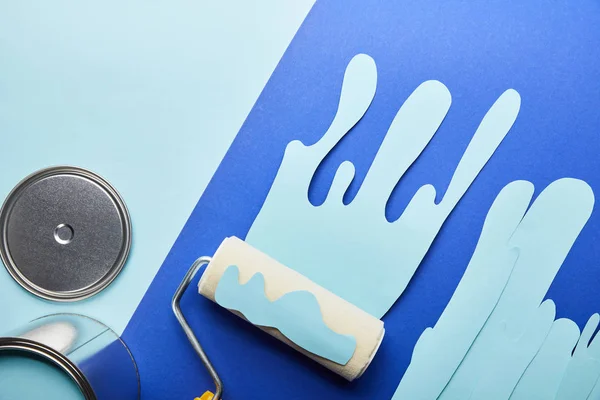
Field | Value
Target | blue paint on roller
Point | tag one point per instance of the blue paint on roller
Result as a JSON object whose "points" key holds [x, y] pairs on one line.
{"points": [[297, 315]]}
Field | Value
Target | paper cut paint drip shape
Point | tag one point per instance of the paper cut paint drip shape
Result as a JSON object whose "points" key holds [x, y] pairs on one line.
{"points": [[498, 337], [362, 257], [297, 315]]}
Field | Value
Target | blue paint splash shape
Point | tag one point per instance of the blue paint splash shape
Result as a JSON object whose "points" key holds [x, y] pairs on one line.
{"points": [[498, 337], [297, 315], [352, 250]]}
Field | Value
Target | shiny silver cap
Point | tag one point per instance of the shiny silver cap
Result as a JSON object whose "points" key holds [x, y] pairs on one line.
{"points": [[65, 233]]}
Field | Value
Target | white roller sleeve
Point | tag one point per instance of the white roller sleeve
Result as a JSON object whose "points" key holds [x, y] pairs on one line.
{"points": [[339, 315]]}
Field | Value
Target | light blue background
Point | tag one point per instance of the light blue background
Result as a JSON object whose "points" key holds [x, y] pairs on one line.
{"points": [[148, 94], [18, 373]]}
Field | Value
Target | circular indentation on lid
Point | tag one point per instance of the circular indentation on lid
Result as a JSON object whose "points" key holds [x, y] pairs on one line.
{"points": [[65, 233]]}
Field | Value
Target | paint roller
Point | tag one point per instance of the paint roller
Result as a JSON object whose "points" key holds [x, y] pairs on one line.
{"points": [[285, 304]]}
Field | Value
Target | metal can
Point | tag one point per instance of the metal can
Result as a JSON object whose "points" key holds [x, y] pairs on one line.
{"points": [[92, 355]]}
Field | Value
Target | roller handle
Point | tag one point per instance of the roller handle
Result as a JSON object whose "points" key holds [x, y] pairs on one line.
{"points": [[206, 396], [190, 333]]}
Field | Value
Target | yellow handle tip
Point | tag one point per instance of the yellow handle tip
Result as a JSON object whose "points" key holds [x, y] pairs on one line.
{"points": [[205, 396]]}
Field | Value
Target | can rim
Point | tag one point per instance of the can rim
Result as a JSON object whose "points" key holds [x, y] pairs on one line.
{"points": [[57, 359], [12, 267]]}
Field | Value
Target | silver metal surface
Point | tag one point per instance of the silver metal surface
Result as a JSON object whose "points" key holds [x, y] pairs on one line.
{"points": [[87, 351], [188, 330], [65, 233]]}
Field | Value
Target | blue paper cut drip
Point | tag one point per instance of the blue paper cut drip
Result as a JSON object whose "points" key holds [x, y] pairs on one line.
{"points": [[297, 315], [580, 380], [352, 250], [497, 337]]}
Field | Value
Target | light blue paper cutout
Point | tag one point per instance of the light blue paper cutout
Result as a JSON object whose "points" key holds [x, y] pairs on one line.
{"points": [[595, 395], [496, 325], [440, 350], [297, 315], [583, 369], [516, 328], [543, 376], [508, 361], [352, 250]]}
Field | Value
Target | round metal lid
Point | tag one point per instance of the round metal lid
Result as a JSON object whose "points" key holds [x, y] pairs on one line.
{"points": [[65, 233]]}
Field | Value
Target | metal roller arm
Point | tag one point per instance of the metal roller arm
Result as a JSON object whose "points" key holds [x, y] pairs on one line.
{"points": [[186, 327]]}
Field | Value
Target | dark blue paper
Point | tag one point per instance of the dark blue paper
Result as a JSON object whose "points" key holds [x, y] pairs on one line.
{"points": [[548, 51]]}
